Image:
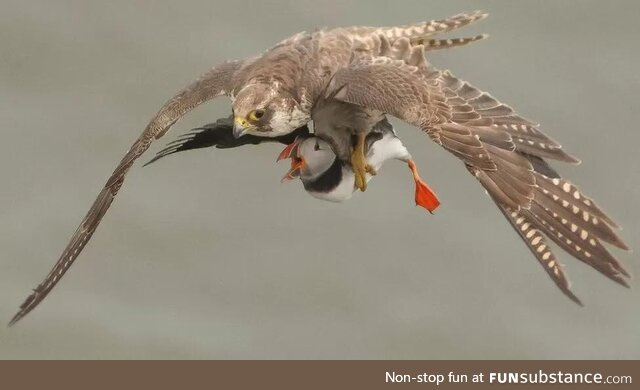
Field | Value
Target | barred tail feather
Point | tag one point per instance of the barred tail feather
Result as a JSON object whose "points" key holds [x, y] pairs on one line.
{"points": [[437, 44], [422, 30]]}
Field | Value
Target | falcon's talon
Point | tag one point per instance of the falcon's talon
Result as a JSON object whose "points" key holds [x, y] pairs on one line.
{"points": [[359, 164], [361, 179]]}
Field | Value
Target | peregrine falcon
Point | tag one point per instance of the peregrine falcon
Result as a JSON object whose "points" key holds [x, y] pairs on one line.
{"points": [[364, 74]]}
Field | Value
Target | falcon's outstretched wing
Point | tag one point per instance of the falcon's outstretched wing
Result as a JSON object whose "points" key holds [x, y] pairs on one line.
{"points": [[501, 149], [216, 82], [220, 135]]}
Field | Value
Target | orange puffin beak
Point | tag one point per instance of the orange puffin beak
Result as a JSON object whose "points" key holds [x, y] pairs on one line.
{"points": [[289, 150], [297, 164]]}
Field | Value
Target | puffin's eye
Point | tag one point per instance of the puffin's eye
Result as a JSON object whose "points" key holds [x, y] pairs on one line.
{"points": [[256, 115], [316, 147]]}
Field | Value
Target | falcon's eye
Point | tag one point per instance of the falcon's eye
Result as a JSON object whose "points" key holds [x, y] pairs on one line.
{"points": [[255, 115]]}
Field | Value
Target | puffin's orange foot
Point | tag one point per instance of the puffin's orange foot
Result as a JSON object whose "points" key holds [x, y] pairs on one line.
{"points": [[425, 197]]}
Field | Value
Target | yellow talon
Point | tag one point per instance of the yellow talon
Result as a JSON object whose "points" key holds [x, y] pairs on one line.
{"points": [[359, 164]]}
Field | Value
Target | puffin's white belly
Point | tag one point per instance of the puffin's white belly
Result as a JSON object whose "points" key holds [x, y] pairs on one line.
{"points": [[343, 191], [389, 147]]}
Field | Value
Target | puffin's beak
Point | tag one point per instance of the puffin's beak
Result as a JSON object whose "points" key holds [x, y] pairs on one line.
{"points": [[290, 150], [240, 125], [297, 164]]}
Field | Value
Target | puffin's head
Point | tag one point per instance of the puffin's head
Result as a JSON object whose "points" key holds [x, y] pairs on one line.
{"points": [[264, 110], [310, 157]]}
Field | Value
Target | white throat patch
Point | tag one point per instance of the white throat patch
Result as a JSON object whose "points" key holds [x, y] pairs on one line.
{"points": [[284, 123]]}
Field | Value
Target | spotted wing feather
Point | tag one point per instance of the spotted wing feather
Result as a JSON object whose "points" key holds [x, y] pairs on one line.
{"points": [[568, 221], [537, 243], [215, 82], [399, 89], [503, 150]]}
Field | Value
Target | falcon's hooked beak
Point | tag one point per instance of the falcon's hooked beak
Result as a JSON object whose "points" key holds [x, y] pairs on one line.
{"points": [[240, 126]]}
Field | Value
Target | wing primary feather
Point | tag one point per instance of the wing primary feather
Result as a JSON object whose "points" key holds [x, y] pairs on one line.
{"points": [[216, 82], [595, 256], [529, 231]]}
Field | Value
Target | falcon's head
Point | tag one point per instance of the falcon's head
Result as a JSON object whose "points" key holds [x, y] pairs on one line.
{"points": [[264, 110]]}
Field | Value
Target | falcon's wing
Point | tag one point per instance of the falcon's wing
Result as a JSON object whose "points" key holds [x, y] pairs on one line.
{"points": [[216, 82], [406, 92], [501, 149], [220, 135]]}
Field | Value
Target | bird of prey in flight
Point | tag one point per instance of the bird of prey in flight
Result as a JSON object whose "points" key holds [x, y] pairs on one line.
{"points": [[347, 80]]}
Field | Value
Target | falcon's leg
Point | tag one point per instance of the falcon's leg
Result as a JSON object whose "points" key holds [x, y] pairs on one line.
{"points": [[425, 197], [359, 163]]}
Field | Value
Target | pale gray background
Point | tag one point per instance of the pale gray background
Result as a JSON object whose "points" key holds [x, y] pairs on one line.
{"points": [[207, 255]]}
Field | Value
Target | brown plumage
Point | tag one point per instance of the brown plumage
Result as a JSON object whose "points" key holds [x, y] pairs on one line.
{"points": [[384, 69], [502, 150]]}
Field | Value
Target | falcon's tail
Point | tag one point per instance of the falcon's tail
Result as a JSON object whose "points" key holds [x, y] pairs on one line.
{"points": [[436, 44], [420, 33], [561, 213]]}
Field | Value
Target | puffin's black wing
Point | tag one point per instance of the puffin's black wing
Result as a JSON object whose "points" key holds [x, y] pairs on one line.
{"points": [[220, 135]]}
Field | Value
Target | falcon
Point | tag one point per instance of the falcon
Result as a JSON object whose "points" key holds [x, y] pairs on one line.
{"points": [[369, 73]]}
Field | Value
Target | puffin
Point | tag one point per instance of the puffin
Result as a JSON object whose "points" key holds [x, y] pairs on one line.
{"points": [[327, 176]]}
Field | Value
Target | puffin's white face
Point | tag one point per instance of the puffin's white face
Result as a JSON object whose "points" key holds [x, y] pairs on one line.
{"points": [[310, 157], [317, 156], [263, 110]]}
